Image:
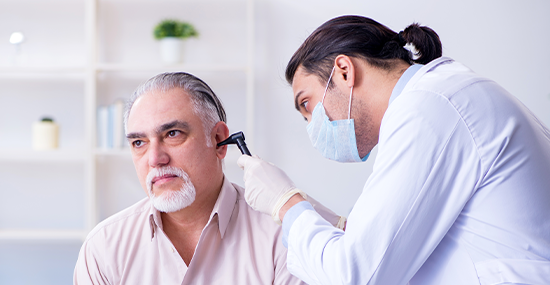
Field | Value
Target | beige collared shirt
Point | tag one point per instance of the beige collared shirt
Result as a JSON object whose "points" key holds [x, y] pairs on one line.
{"points": [[237, 246]]}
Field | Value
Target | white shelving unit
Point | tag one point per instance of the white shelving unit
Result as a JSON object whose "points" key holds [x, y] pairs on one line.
{"points": [[54, 156], [58, 235], [104, 67]]}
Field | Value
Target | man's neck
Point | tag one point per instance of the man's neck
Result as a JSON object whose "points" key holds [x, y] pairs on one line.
{"points": [[192, 218], [184, 227]]}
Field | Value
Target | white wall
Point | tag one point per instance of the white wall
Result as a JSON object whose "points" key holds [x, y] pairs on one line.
{"points": [[506, 41]]}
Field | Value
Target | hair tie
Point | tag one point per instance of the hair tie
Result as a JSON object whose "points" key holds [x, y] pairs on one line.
{"points": [[400, 39]]}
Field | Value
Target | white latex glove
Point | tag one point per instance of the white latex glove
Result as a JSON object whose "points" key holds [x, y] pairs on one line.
{"points": [[267, 188]]}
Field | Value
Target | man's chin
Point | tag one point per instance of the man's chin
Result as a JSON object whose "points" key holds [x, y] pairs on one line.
{"points": [[162, 191], [169, 201]]}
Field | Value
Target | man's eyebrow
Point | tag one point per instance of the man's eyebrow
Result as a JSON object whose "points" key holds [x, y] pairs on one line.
{"points": [[296, 99], [174, 124], [162, 128], [135, 135]]}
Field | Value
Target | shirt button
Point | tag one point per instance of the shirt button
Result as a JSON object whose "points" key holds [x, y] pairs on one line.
{"points": [[173, 250]]}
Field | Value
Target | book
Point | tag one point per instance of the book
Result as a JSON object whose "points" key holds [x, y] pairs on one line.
{"points": [[102, 123], [110, 126]]}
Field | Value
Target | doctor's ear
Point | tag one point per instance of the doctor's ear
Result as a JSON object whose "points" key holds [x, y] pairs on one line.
{"points": [[345, 70]]}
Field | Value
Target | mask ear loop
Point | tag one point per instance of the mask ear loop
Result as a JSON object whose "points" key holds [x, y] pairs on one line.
{"points": [[349, 108], [326, 88]]}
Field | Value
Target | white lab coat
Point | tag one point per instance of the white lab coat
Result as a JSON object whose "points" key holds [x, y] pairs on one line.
{"points": [[459, 194]]}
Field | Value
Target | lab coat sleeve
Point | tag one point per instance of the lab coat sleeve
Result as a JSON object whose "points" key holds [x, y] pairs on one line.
{"points": [[426, 169], [292, 214]]}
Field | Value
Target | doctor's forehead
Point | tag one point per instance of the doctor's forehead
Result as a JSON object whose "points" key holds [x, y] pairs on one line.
{"points": [[304, 80]]}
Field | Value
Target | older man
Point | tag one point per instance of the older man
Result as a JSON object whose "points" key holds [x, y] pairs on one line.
{"points": [[195, 227]]}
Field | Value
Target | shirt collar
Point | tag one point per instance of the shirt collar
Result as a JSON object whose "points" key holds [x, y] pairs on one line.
{"points": [[227, 199], [224, 205], [403, 80], [154, 219]]}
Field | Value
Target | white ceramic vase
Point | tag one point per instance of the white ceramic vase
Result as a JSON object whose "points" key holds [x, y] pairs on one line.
{"points": [[171, 50]]}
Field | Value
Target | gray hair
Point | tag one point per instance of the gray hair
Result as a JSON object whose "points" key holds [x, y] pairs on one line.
{"points": [[206, 104]]}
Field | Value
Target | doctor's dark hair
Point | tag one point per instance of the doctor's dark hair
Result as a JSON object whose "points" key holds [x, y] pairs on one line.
{"points": [[361, 37], [205, 102]]}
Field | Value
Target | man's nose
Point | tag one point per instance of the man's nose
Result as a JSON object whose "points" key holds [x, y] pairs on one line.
{"points": [[157, 155]]}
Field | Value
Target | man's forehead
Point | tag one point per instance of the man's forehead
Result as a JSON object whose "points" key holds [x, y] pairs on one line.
{"points": [[156, 108], [160, 101], [160, 94]]}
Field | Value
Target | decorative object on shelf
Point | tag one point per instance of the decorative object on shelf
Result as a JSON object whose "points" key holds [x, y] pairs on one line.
{"points": [[171, 34], [16, 39], [110, 126], [45, 134]]}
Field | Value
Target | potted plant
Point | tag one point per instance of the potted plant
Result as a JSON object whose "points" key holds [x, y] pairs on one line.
{"points": [[171, 34]]}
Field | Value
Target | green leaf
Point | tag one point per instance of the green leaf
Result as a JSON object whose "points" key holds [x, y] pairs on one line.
{"points": [[174, 28]]}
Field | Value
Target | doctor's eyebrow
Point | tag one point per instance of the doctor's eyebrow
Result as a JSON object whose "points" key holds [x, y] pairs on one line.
{"points": [[296, 100]]}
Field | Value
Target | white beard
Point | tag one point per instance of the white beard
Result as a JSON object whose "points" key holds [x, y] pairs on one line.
{"points": [[171, 201]]}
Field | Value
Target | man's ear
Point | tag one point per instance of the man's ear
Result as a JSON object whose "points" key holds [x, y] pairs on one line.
{"points": [[220, 132], [345, 70]]}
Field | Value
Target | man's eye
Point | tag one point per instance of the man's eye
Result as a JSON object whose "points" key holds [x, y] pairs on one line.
{"points": [[137, 143], [173, 133]]}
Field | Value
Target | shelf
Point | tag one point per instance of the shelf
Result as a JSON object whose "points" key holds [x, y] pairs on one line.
{"points": [[46, 2], [169, 1], [42, 69], [123, 152], [41, 72], [120, 67], [29, 155], [43, 235]]}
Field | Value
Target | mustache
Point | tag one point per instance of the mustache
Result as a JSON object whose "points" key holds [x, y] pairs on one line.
{"points": [[164, 171]]}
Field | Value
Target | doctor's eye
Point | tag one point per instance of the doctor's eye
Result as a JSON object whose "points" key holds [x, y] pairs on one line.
{"points": [[304, 105]]}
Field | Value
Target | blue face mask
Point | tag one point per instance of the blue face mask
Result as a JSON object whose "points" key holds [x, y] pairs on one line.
{"points": [[335, 140]]}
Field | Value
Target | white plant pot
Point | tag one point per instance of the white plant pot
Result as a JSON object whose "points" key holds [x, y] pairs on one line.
{"points": [[171, 50], [45, 135]]}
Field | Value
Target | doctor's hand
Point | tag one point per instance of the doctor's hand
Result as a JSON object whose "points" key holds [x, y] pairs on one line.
{"points": [[267, 188]]}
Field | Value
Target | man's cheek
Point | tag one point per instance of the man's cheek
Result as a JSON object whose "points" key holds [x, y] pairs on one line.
{"points": [[142, 176]]}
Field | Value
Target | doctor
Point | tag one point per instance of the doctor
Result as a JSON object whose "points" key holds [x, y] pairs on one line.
{"points": [[460, 191]]}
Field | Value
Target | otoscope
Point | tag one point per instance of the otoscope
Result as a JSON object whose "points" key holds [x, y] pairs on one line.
{"points": [[238, 139]]}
